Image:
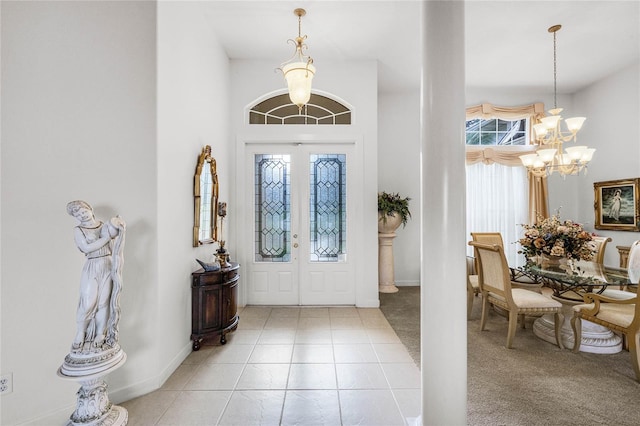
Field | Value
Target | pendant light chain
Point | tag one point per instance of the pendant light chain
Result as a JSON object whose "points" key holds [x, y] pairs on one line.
{"points": [[555, 72]]}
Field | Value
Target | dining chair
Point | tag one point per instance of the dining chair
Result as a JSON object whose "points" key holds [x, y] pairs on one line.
{"points": [[621, 315], [633, 266], [634, 273], [519, 279], [494, 279], [600, 244], [473, 288]]}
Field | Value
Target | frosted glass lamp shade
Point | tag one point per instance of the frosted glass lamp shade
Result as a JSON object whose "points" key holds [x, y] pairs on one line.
{"points": [[540, 129], [551, 122], [528, 159], [564, 159], [299, 76], [576, 152], [587, 155], [575, 123], [547, 155]]}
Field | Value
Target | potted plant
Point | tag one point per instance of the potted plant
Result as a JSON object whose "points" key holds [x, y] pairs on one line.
{"points": [[393, 206]]}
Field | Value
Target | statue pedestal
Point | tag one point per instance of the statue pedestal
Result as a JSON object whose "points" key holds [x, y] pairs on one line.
{"points": [[386, 234], [93, 407]]}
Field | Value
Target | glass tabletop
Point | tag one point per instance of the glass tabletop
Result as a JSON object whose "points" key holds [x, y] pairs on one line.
{"points": [[568, 280]]}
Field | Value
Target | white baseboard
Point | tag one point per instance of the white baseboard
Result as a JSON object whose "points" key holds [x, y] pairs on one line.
{"points": [[407, 284], [369, 303], [154, 383]]}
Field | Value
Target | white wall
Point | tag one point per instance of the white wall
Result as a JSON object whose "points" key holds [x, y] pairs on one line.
{"points": [[79, 122], [192, 112], [88, 113], [612, 108], [356, 84], [399, 171]]}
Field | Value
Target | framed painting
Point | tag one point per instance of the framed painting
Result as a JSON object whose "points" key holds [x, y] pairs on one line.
{"points": [[617, 204]]}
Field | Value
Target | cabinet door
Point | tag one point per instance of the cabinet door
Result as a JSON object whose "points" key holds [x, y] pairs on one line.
{"points": [[210, 308], [230, 302]]}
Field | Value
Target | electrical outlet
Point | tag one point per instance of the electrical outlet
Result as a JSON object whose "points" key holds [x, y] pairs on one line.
{"points": [[6, 384]]}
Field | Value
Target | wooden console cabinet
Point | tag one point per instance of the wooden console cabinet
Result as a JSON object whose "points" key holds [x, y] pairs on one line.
{"points": [[214, 306]]}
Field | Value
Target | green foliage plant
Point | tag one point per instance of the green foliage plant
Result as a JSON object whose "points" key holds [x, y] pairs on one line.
{"points": [[388, 204]]}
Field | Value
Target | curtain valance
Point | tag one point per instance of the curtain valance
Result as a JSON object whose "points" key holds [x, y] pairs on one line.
{"points": [[506, 113], [507, 156]]}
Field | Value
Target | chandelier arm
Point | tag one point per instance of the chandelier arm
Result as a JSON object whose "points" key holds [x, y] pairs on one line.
{"points": [[297, 57], [566, 137]]}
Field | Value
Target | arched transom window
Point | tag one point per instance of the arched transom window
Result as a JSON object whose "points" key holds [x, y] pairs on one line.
{"points": [[319, 110]]}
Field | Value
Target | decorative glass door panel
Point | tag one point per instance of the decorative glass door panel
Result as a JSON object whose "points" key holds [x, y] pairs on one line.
{"points": [[327, 207], [272, 208]]}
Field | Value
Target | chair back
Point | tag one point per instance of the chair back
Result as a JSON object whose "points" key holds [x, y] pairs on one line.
{"points": [[633, 264], [488, 238], [601, 244], [493, 270]]}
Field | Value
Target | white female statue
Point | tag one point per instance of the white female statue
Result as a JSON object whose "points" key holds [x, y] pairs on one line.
{"points": [[95, 351], [101, 280]]}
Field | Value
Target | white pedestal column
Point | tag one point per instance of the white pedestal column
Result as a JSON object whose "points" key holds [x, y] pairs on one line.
{"points": [[595, 338], [443, 234], [386, 274], [93, 407]]}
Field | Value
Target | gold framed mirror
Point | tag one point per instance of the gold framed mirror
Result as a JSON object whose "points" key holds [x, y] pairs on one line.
{"points": [[205, 195]]}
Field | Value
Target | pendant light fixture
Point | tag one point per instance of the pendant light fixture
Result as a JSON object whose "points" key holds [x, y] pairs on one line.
{"points": [[548, 132], [299, 70]]}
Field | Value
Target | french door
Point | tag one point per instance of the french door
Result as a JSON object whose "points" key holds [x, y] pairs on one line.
{"points": [[299, 196]]}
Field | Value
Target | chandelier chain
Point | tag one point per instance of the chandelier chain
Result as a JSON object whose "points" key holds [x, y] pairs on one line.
{"points": [[555, 72]]}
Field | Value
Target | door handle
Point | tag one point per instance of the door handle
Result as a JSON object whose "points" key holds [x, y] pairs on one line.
{"points": [[295, 245]]}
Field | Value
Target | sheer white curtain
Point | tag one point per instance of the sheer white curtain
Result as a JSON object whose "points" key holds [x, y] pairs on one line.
{"points": [[497, 201]]}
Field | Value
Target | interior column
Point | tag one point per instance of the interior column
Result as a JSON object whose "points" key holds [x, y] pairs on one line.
{"points": [[443, 286]]}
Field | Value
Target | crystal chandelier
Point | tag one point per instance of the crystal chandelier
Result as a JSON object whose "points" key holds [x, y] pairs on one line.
{"points": [[299, 70], [548, 134]]}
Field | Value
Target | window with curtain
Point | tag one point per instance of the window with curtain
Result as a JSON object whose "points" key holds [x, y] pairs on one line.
{"points": [[500, 195], [497, 201]]}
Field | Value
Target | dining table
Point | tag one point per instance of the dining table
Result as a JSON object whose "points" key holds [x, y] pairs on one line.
{"points": [[568, 281]]}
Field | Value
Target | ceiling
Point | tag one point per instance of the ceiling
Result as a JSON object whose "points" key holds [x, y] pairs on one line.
{"points": [[506, 42]]}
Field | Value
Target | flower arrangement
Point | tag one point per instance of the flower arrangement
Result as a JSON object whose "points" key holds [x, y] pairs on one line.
{"points": [[553, 237]]}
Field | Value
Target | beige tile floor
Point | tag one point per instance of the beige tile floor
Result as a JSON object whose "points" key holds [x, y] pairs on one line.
{"points": [[292, 366]]}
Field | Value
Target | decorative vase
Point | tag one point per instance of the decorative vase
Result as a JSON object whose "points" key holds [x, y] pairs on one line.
{"points": [[388, 224], [548, 261]]}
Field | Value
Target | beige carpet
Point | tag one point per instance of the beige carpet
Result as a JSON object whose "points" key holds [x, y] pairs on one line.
{"points": [[535, 383]]}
